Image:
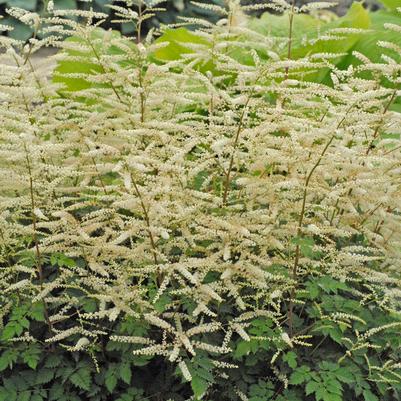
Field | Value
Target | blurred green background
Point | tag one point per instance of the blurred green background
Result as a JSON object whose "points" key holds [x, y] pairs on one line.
{"points": [[174, 8]]}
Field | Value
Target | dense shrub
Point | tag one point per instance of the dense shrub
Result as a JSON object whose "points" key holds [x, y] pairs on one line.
{"points": [[199, 216]]}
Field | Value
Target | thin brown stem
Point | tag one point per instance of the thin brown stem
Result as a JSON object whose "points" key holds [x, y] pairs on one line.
{"points": [[335, 211], [147, 220], [99, 176], [29, 53], [104, 70], [368, 214], [38, 255], [139, 25], [142, 96], [301, 220], [318, 345], [34, 221], [392, 150], [290, 36], [38, 83], [376, 132], [227, 180], [98, 172]]}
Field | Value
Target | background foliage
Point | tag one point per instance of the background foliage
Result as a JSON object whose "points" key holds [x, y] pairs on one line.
{"points": [[174, 8]]}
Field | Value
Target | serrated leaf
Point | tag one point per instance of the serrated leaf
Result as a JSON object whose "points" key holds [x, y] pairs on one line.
{"points": [[141, 360], [53, 360], [8, 394], [125, 397], [262, 390], [127, 28], [344, 375], [199, 386], [334, 387], [31, 356], [369, 396], [305, 41], [162, 302], [125, 373], [20, 31], [332, 397], [305, 244], [297, 378], [89, 305], [81, 379], [291, 359], [56, 391], [61, 260], [111, 379], [24, 322], [313, 290], [243, 348], [8, 358], [24, 395], [320, 393], [44, 376], [204, 362], [36, 397], [132, 394], [311, 387], [10, 330], [37, 312]]}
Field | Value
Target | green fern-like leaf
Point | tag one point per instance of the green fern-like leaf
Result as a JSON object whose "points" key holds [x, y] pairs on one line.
{"points": [[111, 380], [81, 379], [56, 392], [44, 376], [31, 356], [125, 373]]}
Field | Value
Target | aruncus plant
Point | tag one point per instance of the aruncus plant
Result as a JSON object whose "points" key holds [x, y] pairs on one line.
{"points": [[196, 210]]}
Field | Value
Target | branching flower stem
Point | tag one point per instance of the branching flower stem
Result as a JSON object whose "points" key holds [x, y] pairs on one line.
{"points": [[39, 267], [290, 34], [148, 226], [301, 220], [376, 132], [104, 71], [227, 180]]}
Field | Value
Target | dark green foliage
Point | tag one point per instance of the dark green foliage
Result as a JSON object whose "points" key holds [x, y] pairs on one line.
{"points": [[332, 368]]}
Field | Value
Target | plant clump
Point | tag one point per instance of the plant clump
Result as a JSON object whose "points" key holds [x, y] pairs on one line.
{"points": [[203, 214]]}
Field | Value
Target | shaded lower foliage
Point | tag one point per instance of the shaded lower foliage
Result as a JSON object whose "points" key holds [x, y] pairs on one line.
{"points": [[339, 358]]}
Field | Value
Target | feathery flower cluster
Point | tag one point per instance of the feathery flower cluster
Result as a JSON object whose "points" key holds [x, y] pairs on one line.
{"points": [[172, 188]]}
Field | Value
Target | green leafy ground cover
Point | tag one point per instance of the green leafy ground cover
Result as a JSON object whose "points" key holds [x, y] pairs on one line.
{"points": [[334, 368]]}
